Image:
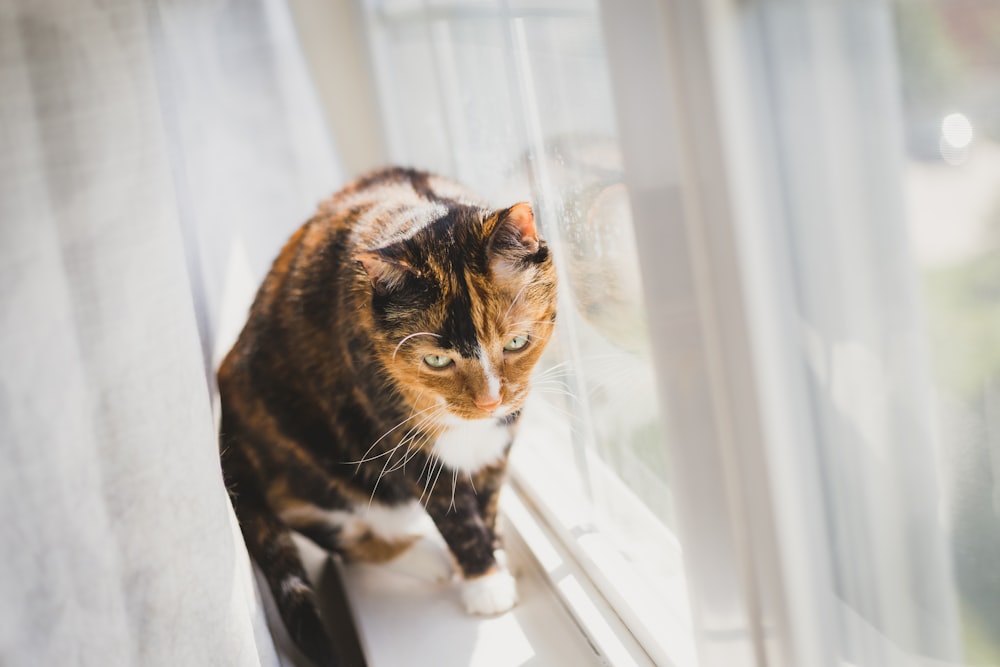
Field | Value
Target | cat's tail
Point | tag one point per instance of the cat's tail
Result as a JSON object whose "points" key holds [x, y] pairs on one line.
{"points": [[269, 542]]}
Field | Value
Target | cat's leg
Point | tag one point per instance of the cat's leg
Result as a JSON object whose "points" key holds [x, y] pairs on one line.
{"points": [[487, 483], [267, 538], [395, 535], [422, 556], [487, 586], [316, 509], [358, 532]]}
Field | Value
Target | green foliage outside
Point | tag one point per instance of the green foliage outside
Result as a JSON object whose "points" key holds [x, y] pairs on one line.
{"points": [[963, 312]]}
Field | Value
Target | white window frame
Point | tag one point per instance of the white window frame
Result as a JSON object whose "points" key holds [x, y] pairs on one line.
{"points": [[717, 177], [681, 197]]}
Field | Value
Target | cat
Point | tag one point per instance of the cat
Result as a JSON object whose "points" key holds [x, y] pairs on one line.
{"points": [[390, 345]]}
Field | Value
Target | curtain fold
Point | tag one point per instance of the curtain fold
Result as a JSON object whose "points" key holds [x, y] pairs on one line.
{"points": [[153, 155]]}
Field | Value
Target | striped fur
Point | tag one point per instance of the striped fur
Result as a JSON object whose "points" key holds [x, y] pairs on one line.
{"points": [[333, 423]]}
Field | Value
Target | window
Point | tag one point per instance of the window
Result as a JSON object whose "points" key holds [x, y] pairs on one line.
{"points": [[950, 74], [515, 99], [776, 225], [872, 252]]}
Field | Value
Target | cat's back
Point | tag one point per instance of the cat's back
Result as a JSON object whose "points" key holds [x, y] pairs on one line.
{"points": [[373, 211], [316, 274], [392, 204]]}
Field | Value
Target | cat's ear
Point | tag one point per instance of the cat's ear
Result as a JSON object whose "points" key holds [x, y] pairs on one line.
{"points": [[513, 232], [513, 240], [385, 273]]}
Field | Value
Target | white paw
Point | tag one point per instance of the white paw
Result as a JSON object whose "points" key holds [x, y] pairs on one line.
{"points": [[425, 560], [489, 594]]}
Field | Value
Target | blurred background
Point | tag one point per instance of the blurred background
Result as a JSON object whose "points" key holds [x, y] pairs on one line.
{"points": [[771, 420], [949, 56]]}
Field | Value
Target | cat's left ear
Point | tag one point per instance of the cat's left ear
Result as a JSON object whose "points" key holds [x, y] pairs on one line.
{"points": [[513, 242], [514, 231]]}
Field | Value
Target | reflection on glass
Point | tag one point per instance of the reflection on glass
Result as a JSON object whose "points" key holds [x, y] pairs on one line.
{"points": [[576, 166], [615, 383], [514, 99]]}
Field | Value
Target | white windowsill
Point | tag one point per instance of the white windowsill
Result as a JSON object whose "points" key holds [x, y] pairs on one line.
{"points": [[559, 620], [633, 560], [562, 616], [400, 619]]}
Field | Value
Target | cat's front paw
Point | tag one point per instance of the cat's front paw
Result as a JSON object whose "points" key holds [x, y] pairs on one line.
{"points": [[489, 594]]}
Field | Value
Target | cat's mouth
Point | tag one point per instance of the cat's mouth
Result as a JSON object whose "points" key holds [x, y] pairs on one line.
{"points": [[478, 414], [454, 416]]}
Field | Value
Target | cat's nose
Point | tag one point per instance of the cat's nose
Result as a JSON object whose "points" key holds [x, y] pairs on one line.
{"points": [[488, 403]]}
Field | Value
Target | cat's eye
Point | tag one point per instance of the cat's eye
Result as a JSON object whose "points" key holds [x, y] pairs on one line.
{"points": [[516, 343], [437, 361]]}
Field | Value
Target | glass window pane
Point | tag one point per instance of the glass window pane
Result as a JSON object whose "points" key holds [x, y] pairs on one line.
{"points": [[514, 99], [522, 108], [949, 55], [879, 134]]}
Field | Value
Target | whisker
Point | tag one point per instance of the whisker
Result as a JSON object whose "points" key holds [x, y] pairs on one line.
{"points": [[543, 388], [566, 367], [577, 403], [388, 460], [427, 460], [563, 393], [549, 322], [514, 300], [585, 359], [383, 436], [436, 477], [550, 383], [415, 430], [415, 438], [408, 455], [556, 375], [513, 330], [427, 419], [436, 463], [561, 366], [570, 417], [413, 443], [379, 479], [406, 338], [454, 483], [416, 443]]}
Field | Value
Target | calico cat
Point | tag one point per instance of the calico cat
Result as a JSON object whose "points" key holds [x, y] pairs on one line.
{"points": [[389, 347]]}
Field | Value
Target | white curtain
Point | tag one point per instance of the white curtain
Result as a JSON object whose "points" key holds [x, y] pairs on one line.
{"points": [[153, 156]]}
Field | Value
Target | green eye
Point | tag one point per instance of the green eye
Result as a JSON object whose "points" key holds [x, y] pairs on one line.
{"points": [[437, 361], [516, 343]]}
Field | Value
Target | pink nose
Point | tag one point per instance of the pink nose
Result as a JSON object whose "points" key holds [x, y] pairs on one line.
{"points": [[488, 403]]}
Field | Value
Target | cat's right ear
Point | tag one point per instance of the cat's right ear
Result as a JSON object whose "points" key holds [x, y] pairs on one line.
{"points": [[385, 273]]}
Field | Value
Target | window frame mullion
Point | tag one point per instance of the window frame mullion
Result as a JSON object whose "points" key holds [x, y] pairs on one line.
{"points": [[665, 76]]}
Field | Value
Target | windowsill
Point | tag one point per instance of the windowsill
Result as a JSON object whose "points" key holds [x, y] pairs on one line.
{"points": [[632, 559], [401, 619], [561, 618]]}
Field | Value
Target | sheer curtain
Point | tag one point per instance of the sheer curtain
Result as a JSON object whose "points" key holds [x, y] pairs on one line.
{"points": [[153, 156]]}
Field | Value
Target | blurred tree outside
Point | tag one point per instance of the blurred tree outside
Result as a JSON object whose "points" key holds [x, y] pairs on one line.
{"points": [[949, 61]]}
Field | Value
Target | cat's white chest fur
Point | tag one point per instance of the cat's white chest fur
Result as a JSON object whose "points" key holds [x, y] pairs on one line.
{"points": [[469, 445]]}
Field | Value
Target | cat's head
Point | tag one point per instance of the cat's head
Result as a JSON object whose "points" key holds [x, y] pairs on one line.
{"points": [[462, 310]]}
